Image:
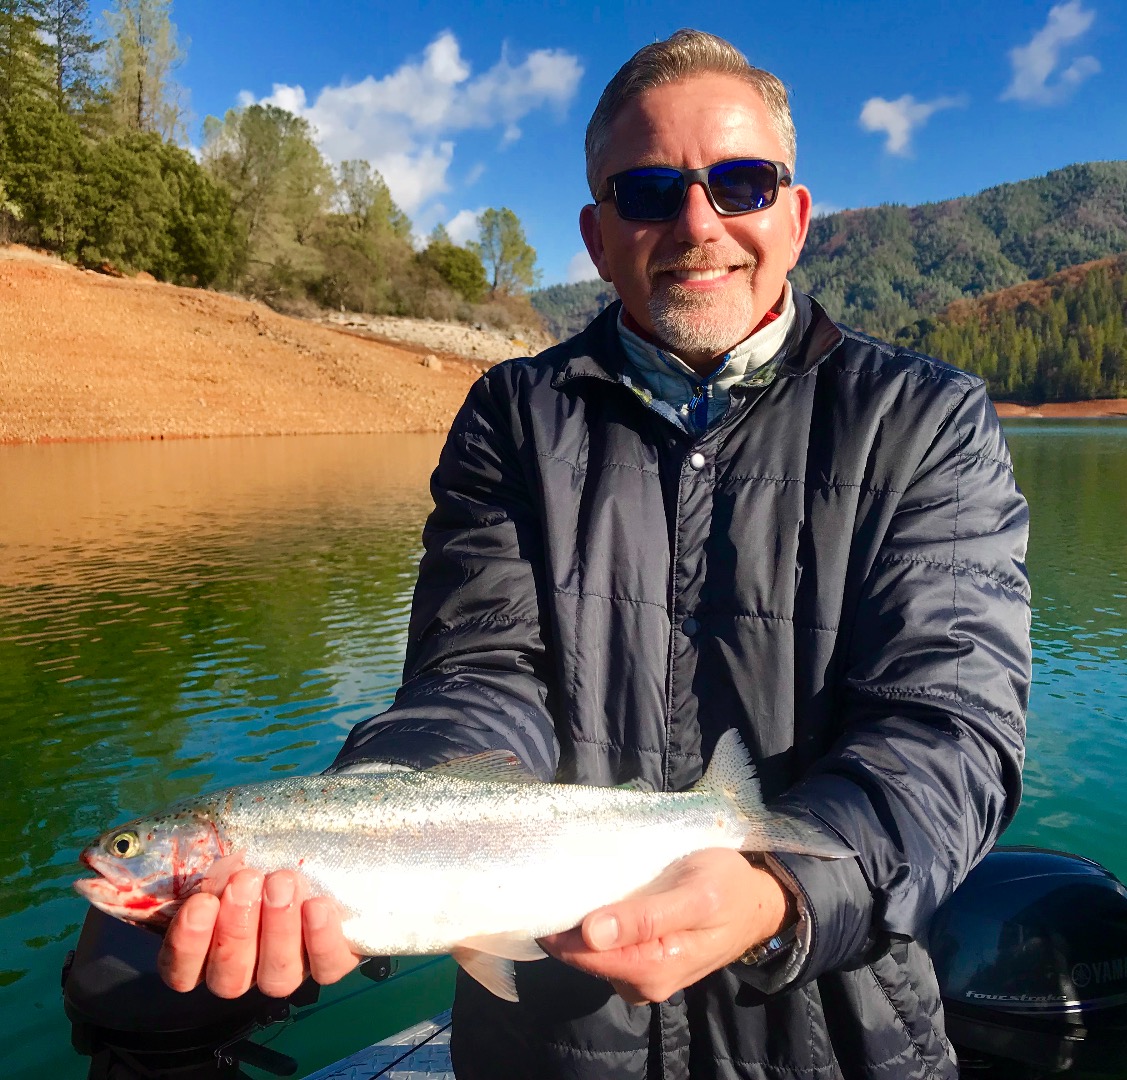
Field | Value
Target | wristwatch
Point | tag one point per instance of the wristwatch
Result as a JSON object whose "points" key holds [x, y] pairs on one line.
{"points": [[778, 944], [772, 948]]}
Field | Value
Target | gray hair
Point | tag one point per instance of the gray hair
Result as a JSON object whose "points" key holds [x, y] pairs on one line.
{"points": [[681, 56]]}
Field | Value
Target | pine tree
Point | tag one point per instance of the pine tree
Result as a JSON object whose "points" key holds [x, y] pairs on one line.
{"points": [[24, 60], [74, 53], [143, 53]]}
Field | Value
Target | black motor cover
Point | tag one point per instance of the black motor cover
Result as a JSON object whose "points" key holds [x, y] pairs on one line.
{"points": [[1031, 956]]}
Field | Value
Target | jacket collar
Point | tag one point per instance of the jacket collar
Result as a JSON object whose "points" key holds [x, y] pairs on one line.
{"points": [[597, 352]]}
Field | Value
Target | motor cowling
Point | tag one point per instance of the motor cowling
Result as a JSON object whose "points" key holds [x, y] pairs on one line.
{"points": [[1031, 957], [131, 1024]]}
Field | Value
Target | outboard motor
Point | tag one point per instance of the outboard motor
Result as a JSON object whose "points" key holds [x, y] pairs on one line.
{"points": [[133, 1027], [1031, 956]]}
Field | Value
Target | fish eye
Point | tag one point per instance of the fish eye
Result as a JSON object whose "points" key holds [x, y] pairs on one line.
{"points": [[125, 845]]}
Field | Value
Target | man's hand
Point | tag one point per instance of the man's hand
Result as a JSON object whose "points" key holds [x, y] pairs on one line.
{"points": [[259, 930], [702, 913]]}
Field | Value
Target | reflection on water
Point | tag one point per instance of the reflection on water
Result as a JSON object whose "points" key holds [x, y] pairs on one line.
{"points": [[178, 616], [1073, 475], [173, 617]]}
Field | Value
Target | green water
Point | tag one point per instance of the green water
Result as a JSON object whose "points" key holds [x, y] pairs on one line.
{"points": [[179, 616]]}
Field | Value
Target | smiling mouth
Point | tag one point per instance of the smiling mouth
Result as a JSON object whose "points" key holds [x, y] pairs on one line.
{"points": [[708, 274]]}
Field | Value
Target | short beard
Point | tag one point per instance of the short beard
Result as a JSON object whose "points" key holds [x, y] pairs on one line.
{"points": [[695, 325]]}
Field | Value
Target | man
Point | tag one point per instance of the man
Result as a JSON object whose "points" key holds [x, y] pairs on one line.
{"points": [[712, 508]]}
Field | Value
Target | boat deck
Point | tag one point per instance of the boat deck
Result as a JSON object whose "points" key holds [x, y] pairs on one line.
{"points": [[421, 1052]]}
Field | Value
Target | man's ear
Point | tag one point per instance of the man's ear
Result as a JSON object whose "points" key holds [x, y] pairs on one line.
{"points": [[591, 231], [801, 208]]}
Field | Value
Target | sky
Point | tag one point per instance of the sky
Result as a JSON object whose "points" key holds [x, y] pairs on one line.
{"points": [[465, 106]]}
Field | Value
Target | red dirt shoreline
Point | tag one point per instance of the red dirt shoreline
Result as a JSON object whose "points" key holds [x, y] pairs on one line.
{"points": [[85, 357]]}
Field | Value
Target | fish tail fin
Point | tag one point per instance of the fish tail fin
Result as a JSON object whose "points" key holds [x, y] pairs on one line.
{"points": [[731, 775]]}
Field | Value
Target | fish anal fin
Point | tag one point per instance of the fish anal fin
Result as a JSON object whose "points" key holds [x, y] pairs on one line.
{"points": [[511, 946], [495, 973], [496, 766]]}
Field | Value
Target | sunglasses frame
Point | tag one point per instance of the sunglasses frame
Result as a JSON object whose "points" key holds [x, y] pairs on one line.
{"points": [[783, 178]]}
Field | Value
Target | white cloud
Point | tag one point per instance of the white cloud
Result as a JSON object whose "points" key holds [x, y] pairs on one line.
{"points": [[462, 227], [900, 118], [1034, 64], [823, 209], [404, 123], [580, 268]]}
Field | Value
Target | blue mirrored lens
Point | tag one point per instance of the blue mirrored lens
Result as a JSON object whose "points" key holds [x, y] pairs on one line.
{"points": [[738, 187], [649, 194]]}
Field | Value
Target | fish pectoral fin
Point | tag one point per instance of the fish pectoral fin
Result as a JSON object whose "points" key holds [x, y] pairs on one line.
{"points": [[511, 946], [497, 766], [495, 973]]}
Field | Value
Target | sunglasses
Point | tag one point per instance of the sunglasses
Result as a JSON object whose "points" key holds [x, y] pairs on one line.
{"points": [[656, 192]]}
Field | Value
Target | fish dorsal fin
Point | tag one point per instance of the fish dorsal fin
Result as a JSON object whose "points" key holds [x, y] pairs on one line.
{"points": [[495, 973], [731, 776], [497, 766]]}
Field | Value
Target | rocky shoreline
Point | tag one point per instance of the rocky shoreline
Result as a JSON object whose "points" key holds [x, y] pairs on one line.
{"points": [[85, 356]]}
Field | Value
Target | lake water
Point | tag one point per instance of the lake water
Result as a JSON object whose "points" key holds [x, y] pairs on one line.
{"points": [[184, 615]]}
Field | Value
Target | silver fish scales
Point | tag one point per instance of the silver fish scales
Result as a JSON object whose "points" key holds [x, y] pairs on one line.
{"points": [[471, 858]]}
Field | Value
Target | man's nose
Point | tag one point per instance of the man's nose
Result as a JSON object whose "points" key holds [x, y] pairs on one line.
{"points": [[697, 222]]}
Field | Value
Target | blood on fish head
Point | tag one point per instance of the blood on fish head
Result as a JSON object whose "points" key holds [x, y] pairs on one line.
{"points": [[147, 868]]}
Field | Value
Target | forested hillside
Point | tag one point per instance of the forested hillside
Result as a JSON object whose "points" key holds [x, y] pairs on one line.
{"points": [[92, 169], [568, 308], [883, 268], [1061, 339]]}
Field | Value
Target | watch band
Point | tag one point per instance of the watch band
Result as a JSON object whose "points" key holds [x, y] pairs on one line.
{"points": [[772, 948]]}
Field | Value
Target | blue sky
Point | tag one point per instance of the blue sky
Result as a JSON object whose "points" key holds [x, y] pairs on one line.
{"points": [[464, 106]]}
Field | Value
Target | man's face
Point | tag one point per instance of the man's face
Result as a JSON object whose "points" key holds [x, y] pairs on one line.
{"points": [[701, 282]]}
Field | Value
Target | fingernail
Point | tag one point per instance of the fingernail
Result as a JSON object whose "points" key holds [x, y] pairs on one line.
{"points": [[279, 890], [245, 888], [198, 917], [316, 916], [602, 932]]}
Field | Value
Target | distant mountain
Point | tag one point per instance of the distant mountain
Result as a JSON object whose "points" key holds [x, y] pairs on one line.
{"points": [[882, 268], [1060, 339], [569, 308]]}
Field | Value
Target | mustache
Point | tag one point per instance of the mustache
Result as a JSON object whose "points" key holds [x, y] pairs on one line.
{"points": [[701, 259]]}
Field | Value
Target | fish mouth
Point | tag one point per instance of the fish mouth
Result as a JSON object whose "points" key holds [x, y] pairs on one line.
{"points": [[107, 869], [119, 895]]}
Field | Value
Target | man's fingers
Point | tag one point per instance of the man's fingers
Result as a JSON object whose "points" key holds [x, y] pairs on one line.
{"points": [[184, 951], [281, 965], [330, 958], [234, 949], [646, 917]]}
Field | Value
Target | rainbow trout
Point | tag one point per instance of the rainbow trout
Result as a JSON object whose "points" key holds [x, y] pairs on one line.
{"points": [[473, 857]]}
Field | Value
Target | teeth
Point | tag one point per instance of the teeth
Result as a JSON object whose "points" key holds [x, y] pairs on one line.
{"points": [[700, 275]]}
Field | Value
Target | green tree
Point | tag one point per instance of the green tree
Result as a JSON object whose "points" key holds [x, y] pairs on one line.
{"points": [[281, 190], [142, 54], [24, 57], [74, 53], [458, 267], [9, 212], [507, 256], [366, 200], [43, 161]]}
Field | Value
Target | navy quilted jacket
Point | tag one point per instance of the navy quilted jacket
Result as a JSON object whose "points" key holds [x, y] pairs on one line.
{"points": [[836, 568]]}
